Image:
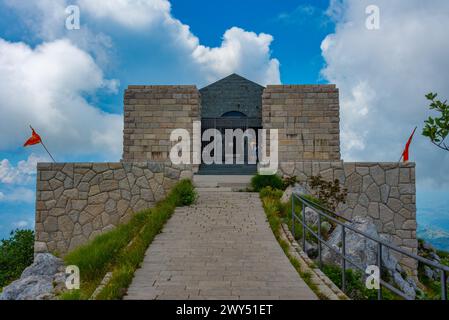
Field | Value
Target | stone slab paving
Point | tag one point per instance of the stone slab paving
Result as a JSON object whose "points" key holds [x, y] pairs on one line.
{"points": [[220, 248]]}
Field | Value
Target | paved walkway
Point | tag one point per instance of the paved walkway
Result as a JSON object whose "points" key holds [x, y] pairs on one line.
{"points": [[221, 248]]}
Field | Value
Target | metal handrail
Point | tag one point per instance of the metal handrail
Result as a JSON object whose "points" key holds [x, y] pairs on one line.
{"points": [[380, 243]]}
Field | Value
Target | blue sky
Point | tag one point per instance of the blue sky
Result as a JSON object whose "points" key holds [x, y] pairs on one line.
{"points": [[69, 83]]}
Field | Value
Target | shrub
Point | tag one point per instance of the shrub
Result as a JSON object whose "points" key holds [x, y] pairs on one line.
{"points": [[185, 192], [259, 182], [329, 193], [270, 192], [355, 284], [289, 181], [15, 255]]}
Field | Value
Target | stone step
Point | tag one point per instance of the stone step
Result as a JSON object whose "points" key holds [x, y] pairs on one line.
{"points": [[234, 182], [217, 189], [228, 170]]}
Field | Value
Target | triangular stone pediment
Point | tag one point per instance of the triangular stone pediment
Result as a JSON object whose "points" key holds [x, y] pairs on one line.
{"points": [[233, 93]]}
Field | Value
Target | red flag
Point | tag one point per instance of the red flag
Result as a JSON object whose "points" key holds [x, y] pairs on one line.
{"points": [[35, 139], [405, 155]]}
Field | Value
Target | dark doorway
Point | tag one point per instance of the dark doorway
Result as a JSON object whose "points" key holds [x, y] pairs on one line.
{"points": [[231, 103], [231, 120]]}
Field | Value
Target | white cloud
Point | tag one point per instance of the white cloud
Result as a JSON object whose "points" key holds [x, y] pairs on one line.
{"points": [[19, 194], [299, 15], [383, 76], [243, 52], [20, 224], [130, 13], [43, 17], [23, 173], [246, 53], [45, 87]]}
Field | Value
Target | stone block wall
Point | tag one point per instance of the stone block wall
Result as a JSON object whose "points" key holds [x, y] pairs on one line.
{"points": [[151, 113], [385, 193], [76, 202], [308, 120]]}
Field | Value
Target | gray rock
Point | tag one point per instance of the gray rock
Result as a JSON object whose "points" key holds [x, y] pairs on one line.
{"points": [[45, 264], [359, 249], [404, 285], [297, 189], [363, 252], [429, 273], [38, 281], [311, 217], [311, 249], [428, 246], [28, 288]]}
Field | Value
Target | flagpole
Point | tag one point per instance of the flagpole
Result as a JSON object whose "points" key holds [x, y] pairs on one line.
{"points": [[48, 151], [42, 143]]}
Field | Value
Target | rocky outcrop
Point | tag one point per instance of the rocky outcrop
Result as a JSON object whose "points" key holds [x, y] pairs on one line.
{"points": [[287, 195], [427, 251], [363, 252], [40, 281], [311, 216]]}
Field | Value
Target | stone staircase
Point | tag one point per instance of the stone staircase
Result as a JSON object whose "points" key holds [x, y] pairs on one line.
{"points": [[220, 248]]}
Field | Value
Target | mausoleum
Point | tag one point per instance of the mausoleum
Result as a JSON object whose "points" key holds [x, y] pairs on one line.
{"points": [[77, 201]]}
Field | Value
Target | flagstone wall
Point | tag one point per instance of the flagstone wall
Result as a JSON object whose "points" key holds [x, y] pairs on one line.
{"points": [[385, 193], [75, 202]]}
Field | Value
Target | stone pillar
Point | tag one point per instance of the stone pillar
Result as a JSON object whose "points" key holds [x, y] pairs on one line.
{"points": [[308, 120], [151, 114]]}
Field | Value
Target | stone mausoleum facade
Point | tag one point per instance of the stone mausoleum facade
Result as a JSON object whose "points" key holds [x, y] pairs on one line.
{"points": [[78, 201]]}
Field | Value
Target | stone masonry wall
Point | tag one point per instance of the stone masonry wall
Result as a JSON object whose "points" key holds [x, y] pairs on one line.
{"points": [[151, 114], [308, 120], [383, 192], [75, 202]]}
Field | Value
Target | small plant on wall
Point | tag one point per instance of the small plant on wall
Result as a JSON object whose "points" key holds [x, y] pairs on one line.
{"points": [[329, 193], [289, 181], [258, 182]]}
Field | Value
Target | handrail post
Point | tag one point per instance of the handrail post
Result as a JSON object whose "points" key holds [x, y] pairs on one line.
{"points": [[443, 285], [304, 227], [343, 262], [293, 216], [379, 264], [319, 240]]}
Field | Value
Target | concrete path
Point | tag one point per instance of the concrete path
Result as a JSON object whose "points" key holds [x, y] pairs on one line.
{"points": [[220, 248]]}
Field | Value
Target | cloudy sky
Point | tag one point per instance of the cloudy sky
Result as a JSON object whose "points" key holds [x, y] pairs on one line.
{"points": [[69, 83]]}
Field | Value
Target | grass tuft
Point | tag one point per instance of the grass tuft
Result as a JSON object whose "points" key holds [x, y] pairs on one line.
{"points": [[258, 182], [274, 211]]}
